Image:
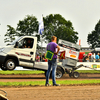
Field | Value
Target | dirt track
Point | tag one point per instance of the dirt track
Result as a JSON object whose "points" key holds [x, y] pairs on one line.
{"points": [[51, 93], [19, 78], [54, 93]]}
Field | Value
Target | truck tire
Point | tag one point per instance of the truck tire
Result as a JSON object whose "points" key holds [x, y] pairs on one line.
{"points": [[59, 72], [76, 74], [10, 64]]}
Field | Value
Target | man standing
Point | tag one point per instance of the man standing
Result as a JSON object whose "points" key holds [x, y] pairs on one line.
{"points": [[52, 63], [92, 57], [97, 57]]}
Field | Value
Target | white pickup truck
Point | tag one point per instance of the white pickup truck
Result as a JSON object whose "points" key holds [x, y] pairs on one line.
{"points": [[18, 53]]}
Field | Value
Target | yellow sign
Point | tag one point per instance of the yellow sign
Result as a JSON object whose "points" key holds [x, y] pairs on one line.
{"points": [[95, 66]]}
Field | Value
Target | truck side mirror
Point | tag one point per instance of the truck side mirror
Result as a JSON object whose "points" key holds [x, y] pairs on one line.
{"points": [[16, 44]]}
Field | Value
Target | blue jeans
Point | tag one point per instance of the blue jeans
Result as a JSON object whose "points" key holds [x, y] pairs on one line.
{"points": [[51, 64]]}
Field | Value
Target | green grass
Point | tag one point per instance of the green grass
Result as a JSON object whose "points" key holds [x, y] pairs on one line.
{"points": [[42, 83], [19, 72], [89, 71], [29, 72]]}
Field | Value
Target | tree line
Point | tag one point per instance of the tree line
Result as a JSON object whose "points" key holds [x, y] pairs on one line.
{"points": [[93, 37], [54, 24]]}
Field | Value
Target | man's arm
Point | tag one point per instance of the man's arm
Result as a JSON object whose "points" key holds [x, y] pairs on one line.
{"points": [[58, 48]]}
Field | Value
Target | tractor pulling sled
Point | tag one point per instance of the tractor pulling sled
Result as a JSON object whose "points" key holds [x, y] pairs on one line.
{"points": [[68, 58]]}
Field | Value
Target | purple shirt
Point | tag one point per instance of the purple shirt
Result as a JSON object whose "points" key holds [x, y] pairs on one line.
{"points": [[52, 47]]}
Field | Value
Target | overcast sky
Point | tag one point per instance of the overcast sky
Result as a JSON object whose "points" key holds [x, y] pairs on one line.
{"points": [[84, 14]]}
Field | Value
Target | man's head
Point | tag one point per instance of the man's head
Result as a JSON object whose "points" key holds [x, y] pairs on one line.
{"points": [[92, 53], [29, 41], [54, 39]]}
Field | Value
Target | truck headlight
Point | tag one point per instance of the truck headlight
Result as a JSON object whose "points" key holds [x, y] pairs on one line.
{"points": [[1, 49]]}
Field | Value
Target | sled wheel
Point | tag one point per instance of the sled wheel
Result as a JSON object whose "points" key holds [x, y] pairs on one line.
{"points": [[75, 74], [59, 72]]}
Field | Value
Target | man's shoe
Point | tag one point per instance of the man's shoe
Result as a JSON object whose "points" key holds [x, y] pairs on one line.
{"points": [[47, 84], [56, 84]]}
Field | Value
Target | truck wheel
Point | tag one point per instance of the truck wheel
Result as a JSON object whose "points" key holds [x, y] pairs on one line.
{"points": [[59, 72], [10, 64], [76, 74]]}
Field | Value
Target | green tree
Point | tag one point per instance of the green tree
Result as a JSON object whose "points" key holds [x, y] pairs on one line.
{"points": [[58, 26], [53, 25], [28, 26], [93, 38], [10, 35]]}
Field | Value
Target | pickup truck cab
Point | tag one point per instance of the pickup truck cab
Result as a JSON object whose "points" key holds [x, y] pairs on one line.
{"points": [[21, 52]]}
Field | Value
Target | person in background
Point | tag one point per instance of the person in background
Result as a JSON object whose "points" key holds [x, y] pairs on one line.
{"points": [[92, 57], [40, 57], [97, 57], [29, 44], [88, 58], [52, 46], [84, 58], [37, 58], [43, 57]]}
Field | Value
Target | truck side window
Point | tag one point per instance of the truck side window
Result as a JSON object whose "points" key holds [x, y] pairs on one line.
{"points": [[28, 43]]}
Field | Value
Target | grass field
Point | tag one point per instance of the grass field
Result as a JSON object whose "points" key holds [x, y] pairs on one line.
{"points": [[41, 83], [21, 72], [89, 71], [27, 72]]}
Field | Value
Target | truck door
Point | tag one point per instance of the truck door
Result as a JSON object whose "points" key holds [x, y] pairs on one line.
{"points": [[26, 51]]}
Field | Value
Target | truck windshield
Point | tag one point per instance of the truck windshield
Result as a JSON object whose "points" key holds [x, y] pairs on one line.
{"points": [[16, 41]]}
